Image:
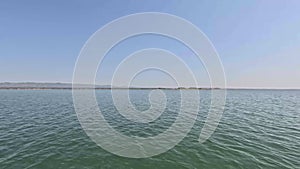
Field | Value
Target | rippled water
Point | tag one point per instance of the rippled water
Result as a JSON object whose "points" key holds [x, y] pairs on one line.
{"points": [[259, 129]]}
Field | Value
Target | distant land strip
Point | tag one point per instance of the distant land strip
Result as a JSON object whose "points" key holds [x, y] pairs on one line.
{"points": [[70, 86], [97, 88]]}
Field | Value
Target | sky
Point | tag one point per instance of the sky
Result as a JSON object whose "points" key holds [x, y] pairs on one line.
{"points": [[258, 42]]}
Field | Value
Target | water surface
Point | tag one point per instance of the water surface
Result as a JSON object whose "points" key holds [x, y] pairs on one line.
{"points": [[259, 129]]}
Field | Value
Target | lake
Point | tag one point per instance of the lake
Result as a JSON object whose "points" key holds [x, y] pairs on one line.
{"points": [[258, 129]]}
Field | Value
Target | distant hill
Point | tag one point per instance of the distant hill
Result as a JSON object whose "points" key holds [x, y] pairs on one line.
{"points": [[34, 85]]}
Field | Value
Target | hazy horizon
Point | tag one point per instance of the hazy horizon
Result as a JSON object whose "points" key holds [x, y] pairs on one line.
{"points": [[109, 85]]}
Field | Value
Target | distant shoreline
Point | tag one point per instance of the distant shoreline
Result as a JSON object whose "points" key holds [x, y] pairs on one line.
{"points": [[159, 88], [70, 86], [118, 88]]}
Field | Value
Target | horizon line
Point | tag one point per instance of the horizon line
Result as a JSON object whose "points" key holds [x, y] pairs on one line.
{"points": [[108, 86]]}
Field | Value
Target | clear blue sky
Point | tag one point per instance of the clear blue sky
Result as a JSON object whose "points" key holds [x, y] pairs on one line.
{"points": [[258, 41]]}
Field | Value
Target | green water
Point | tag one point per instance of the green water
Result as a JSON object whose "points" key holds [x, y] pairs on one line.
{"points": [[259, 129]]}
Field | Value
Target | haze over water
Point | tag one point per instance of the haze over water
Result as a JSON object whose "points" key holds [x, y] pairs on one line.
{"points": [[259, 129]]}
